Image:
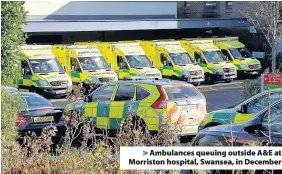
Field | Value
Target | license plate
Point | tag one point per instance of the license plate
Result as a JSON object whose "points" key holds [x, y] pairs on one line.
{"points": [[42, 119], [60, 91], [189, 129], [189, 107], [254, 72]]}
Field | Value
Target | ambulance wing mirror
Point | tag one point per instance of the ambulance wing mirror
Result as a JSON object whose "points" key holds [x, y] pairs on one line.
{"points": [[23, 71], [165, 63], [72, 68]]}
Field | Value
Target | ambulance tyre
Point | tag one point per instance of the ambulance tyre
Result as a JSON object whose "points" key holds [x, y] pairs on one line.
{"points": [[173, 77], [85, 89], [228, 81], [33, 89], [208, 79], [197, 84]]}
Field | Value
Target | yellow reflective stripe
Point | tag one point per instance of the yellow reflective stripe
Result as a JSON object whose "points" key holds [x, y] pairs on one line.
{"points": [[102, 122], [207, 120], [90, 109], [242, 118], [116, 109]]}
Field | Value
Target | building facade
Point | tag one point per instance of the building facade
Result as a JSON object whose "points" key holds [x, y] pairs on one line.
{"points": [[69, 21]]}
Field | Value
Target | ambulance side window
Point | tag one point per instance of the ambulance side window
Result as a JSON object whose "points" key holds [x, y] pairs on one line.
{"points": [[121, 63], [225, 53], [165, 60], [25, 68], [199, 58], [74, 65]]}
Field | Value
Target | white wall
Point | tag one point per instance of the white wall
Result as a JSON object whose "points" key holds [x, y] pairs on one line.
{"points": [[100, 8]]}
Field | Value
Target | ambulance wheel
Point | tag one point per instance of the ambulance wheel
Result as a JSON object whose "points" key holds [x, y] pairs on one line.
{"points": [[228, 81], [32, 89], [173, 78], [84, 89], [208, 79], [197, 84]]}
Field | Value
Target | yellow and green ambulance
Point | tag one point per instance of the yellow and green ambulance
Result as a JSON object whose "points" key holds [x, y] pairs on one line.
{"points": [[85, 65], [239, 55], [173, 61], [210, 59], [128, 60], [42, 73]]}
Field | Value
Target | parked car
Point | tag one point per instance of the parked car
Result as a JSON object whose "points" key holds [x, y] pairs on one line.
{"points": [[242, 112], [151, 102], [38, 113], [257, 130], [11, 90]]}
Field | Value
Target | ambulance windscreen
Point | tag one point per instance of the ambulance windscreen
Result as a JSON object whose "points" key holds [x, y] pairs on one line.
{"points": [[93, 63], [138, 61], [45, 65], [213, 56], [181, 58]]}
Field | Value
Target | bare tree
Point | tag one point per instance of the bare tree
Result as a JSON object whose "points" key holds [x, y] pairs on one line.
{"points": [[265, 16]]}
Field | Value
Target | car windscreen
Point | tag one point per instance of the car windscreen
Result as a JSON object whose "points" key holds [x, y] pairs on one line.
{"points": [[35, 102], [136, 61], [181, 58], [45, 65], [179, 93], [93, 63]]}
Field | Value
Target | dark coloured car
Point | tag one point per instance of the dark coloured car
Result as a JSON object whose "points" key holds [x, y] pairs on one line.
{"points": [[255, 131], [38, 113]]}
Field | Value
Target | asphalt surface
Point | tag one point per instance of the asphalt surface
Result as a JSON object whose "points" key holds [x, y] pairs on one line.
{"points": [[218, 96]]}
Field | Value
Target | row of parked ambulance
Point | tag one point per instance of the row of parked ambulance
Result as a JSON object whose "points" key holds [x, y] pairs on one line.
{"points": [[56, 69]]}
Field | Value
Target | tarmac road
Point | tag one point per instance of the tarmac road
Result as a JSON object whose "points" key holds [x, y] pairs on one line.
{"points": [[219, 96]]}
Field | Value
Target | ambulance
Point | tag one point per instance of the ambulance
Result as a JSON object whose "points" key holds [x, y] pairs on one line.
{"points": [[239, 55], [42, 73], [209, 57], [85, 64], [173, 61], [128, 60]]}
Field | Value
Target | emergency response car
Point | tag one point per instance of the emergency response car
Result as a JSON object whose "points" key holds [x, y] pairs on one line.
{"points": [[42, 73], [152, 102], [243, 112]]}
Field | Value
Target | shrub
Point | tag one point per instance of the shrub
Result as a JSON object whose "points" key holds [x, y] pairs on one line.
{"points": [[251, 87]]}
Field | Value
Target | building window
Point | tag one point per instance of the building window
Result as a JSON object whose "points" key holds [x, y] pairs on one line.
{"points": [[229, 4]]}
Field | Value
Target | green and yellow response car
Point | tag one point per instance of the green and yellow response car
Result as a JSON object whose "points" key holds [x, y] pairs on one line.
{"points": [[242, 112], [152, 102]]}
